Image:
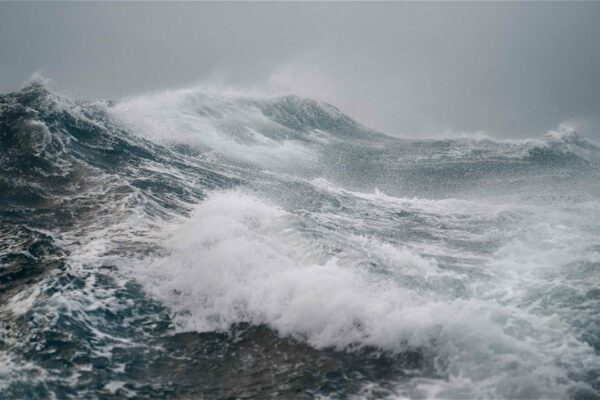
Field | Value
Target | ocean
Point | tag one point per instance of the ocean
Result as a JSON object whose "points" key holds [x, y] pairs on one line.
{"points": [[197, 244]]}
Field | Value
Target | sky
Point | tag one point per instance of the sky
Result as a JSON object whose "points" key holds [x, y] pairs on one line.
{"points": [[507, 70]]}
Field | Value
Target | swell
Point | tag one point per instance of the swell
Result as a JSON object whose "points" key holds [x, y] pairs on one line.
{"points": [[54, 147], [151, 240], [306, 138]]}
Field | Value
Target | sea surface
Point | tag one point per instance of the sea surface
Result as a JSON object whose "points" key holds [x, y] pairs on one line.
{"points": [[196, 244]]}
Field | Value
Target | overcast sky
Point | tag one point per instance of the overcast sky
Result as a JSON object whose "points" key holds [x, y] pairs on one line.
{"points": [[411, 69]]}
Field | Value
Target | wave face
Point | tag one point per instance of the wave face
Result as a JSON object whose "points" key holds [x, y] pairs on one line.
{"points": [[195, 244]]}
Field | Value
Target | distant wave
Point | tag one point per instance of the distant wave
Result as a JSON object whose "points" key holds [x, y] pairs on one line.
{"points": [[566, 147]]}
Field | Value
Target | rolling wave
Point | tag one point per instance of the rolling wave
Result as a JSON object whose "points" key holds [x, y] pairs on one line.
{"points": [[195, 243]]}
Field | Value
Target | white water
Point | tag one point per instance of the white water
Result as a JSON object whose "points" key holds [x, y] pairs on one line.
{"points": [[243, 259], [225, 123], [499, 294], [494, 316]]}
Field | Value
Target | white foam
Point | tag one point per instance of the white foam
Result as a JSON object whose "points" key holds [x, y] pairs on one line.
{"points": [[224, 123], [242, 259], [23, 301], [239, 259]]}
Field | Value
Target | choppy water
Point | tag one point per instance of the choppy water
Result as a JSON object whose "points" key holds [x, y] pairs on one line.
{"points": [[193, 244]]}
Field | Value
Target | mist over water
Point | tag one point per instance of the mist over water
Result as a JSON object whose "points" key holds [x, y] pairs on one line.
{"points": [[199, 243]]}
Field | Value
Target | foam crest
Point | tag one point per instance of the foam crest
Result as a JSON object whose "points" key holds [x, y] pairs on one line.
{"points": [[235, 127], [241, 259]]}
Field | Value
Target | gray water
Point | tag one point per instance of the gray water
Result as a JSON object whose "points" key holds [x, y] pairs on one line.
{"points": [[195, 244]]}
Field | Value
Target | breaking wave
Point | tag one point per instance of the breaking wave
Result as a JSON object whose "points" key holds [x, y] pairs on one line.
{"points": [[193, 243]]}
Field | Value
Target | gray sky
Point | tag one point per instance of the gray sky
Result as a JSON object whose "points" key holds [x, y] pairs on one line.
{"points": [[412, 69]]}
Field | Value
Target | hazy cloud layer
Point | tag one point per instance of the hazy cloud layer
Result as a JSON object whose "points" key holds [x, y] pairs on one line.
{"points": [[417, 69]]}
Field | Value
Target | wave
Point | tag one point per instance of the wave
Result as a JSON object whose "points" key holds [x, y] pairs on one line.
{"points": [[240, 259], [566, 147], [149, 241], [267, 131], [45, 133], [57, 149]]}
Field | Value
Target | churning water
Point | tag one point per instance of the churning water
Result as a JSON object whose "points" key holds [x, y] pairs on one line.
{"points": [[195, 244]]}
